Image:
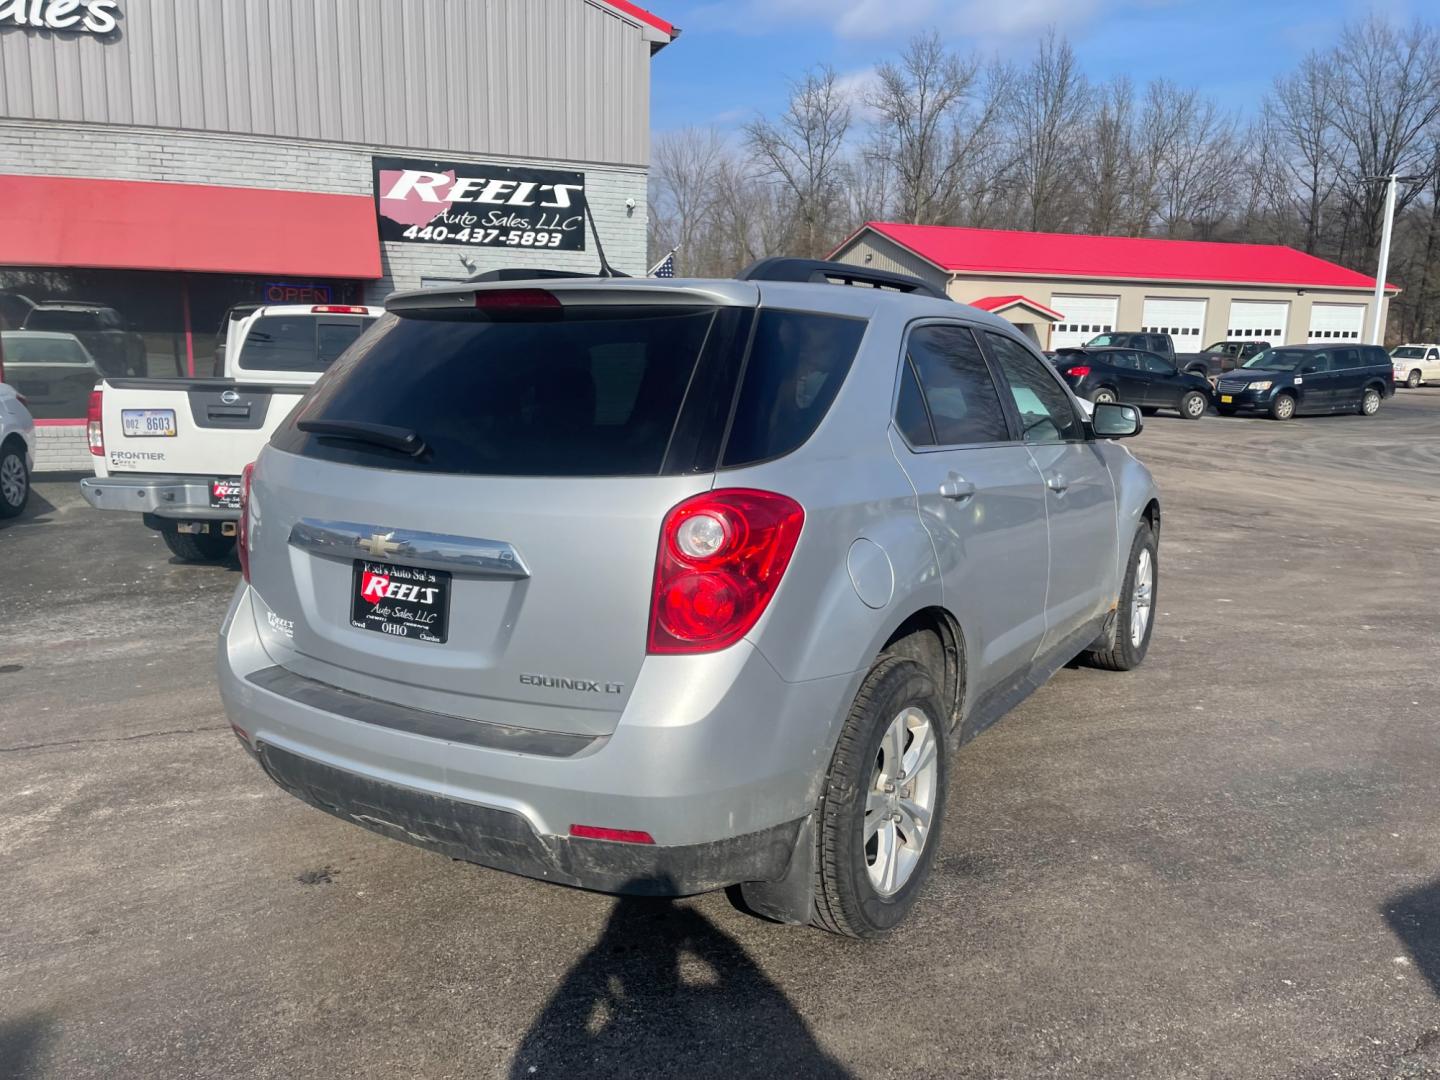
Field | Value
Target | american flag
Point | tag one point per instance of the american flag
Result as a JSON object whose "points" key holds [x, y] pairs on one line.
{"points": [[665, 267]]}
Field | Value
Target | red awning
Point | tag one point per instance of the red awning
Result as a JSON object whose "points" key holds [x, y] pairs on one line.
{"points": [[145, 225]]}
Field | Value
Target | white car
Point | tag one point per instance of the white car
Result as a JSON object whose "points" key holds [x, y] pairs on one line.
{"points": [[17, 450], [1416, 365]]}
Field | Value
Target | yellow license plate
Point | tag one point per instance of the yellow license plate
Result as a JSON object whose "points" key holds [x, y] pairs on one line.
{"points": [[1226, 399]]}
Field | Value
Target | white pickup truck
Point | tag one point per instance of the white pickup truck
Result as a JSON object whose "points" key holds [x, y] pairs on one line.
{"points": [[173, 449]]}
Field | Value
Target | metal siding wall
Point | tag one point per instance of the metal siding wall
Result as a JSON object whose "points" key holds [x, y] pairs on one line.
{"points": [[558, 79]]}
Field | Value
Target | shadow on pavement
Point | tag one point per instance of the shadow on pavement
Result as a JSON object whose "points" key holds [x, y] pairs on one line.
{"points": [[20, 1043], [1415, 918], [35, 511], [665, 992]]}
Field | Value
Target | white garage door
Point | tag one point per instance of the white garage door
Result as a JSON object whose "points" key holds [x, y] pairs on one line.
{"points": [[1183, 320], [1258, 320], [1085, 316], [1337, 322]]}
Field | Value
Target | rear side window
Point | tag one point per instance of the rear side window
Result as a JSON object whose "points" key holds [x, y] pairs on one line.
{"points": [[796, 365], [957, 393], [1346, 358], [297, 342]]}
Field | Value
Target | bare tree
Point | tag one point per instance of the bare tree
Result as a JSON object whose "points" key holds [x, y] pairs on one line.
{"points": [[802, 151], [1301, 111], [1107, 170], [1387, 98], [1048, 110], [1198, 165], [939, 114], [684, 187]]}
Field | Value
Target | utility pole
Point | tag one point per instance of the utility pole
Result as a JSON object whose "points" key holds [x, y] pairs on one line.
{"points": [[1377, 327], [1377, 323]]}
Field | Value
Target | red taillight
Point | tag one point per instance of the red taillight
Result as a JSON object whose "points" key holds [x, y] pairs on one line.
{"points": [[95, 425], [242, 531], [622, 836], [721, 558], [339, 309], [509, 299], [1079, 371]]}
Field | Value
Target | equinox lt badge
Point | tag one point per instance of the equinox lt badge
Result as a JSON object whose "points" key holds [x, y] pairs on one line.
{"points": [[591, 686]]}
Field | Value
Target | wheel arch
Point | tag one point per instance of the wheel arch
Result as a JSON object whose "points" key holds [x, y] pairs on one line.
{"points": [[932, 636]]}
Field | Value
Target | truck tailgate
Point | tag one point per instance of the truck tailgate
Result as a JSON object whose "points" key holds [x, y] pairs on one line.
{"points": [[210, 427]]}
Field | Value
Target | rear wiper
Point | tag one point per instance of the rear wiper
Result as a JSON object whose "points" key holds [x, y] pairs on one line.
{"points": [[383, 435]]}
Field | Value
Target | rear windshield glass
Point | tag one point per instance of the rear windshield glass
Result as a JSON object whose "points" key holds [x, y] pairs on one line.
{"points": [[20, 347], [62, 319], [576, 396], [297, 342], [603, 391]]}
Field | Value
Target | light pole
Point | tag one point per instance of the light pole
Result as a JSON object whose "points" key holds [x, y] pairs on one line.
{"points": [[1377, 325]]}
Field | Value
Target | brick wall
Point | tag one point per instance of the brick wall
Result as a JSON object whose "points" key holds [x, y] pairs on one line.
{"points": [[62, 449], [133, 153]]}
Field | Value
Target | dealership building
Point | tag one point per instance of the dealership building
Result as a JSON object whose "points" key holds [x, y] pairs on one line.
{"points": [[163, 160], [1063, 289]]}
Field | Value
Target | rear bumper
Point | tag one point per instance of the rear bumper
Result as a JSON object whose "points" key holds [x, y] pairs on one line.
{"points": [[184, 498], [720, 761], [503, 840]]}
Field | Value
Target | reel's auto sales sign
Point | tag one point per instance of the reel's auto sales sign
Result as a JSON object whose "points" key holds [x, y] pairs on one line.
{"points": [[446, 202]]}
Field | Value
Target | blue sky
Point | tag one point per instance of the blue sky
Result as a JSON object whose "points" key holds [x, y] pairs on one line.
{"points": [[734, 56]]}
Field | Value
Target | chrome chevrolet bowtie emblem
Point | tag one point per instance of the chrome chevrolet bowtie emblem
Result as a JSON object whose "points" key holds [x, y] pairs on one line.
{"points": [[379, 544]]}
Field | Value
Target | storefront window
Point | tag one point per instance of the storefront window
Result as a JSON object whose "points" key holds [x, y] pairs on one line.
{"points": [[62, 329]]}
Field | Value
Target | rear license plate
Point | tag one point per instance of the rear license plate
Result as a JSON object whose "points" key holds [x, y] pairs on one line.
{"points": [[225, 494], [147, 423], [1226, 399], [402, 601]]}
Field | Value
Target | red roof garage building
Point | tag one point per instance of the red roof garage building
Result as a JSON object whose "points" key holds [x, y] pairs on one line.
{"points": [[1063, 289]]}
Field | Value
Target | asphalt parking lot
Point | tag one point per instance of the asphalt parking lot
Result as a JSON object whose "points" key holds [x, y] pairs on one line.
{"points": [[1226, 863]]}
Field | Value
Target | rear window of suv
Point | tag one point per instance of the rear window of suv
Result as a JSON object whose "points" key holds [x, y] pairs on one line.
{"points": [[297, 342], [637, 390]]}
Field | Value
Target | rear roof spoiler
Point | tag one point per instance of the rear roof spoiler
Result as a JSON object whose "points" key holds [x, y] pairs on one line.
{"points": [[818, 271]]}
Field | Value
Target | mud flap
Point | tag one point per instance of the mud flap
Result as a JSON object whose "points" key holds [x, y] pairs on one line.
{"points": [[791, 898]]}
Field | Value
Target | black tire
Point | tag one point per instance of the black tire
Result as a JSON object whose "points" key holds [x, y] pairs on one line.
{"points": [[199, 547], [1370, 401], [1283, 407], [1413, 381], [846, 901], [1122, 652], [1103, 394], [1193, 405], [13, 473]]}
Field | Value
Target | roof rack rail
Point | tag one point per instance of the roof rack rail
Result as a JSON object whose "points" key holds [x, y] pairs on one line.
{"points": [[819, 271], [527, 273]]}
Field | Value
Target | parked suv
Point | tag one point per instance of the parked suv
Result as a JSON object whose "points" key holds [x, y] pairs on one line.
{"points": [[1414, 365], [659, 587], [1135, 377], [1295, 379]]}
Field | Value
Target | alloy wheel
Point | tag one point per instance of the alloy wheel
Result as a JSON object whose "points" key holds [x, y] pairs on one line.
{"points": [[1370, 404], [1142, 596], [1102, 396], [1194, 405], [901, 801], [1413, 382], [12, 479]]}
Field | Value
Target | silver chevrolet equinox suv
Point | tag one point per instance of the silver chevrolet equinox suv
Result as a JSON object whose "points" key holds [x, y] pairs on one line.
{"points": [[660, 587]]}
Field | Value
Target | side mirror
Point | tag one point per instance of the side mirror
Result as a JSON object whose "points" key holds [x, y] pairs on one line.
{"points": [[1115, 420], [1309, 369]]}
